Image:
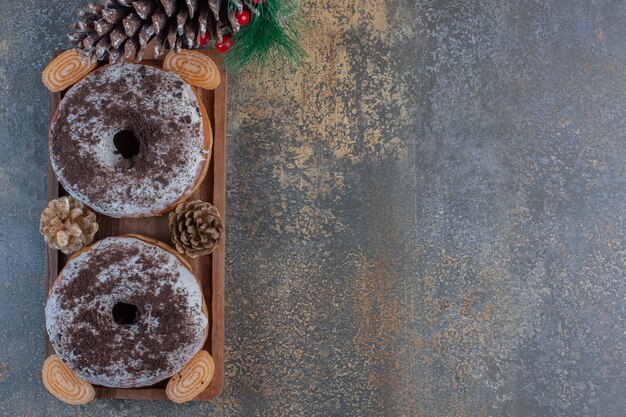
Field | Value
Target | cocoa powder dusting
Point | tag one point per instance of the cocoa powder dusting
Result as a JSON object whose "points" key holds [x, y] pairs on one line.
{"points": [[163, 139], [97, 341]]}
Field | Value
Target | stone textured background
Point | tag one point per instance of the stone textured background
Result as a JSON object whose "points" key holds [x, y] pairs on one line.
{"points": [[426, 219]]}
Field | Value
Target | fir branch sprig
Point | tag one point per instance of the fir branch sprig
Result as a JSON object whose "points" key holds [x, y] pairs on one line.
{"points": [[272, 37]]}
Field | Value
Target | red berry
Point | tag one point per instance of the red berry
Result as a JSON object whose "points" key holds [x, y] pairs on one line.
{"points": [[258, 1], [243, 17], [225, 45], [204, 39]]}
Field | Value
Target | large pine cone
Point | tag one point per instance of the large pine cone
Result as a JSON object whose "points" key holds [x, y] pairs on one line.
{"points": [[67, 225], [122, 29], [196, 228]]}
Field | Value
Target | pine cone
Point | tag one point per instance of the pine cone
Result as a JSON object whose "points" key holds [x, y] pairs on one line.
{"points": [[67, 225], [123, 29], [196, 228]]}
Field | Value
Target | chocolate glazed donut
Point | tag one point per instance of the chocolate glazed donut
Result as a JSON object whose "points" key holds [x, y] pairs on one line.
{"points": [[130, 140]]}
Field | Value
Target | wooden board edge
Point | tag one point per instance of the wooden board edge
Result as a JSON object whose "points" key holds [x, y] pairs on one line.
{"points": [[218, 256], [52, 255]]}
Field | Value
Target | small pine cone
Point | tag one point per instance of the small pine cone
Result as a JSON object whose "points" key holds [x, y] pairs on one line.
{"points": [[196, 228], [67, 225]]}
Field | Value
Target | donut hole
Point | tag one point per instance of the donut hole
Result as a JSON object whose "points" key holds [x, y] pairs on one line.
{"points": [[124, 313], [126, 143]]}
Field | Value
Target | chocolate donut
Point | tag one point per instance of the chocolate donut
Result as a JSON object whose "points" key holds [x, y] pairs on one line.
{"points": [[126, 312], [130, 140]]}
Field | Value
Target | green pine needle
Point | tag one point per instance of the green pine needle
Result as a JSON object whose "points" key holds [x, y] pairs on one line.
{"points": [[272, 37]]}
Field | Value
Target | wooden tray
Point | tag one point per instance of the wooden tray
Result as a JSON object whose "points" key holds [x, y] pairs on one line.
{"points": [[210, 269]]}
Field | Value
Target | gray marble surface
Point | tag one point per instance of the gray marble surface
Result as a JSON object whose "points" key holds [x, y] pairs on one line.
{"points": [[426, 219]]}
